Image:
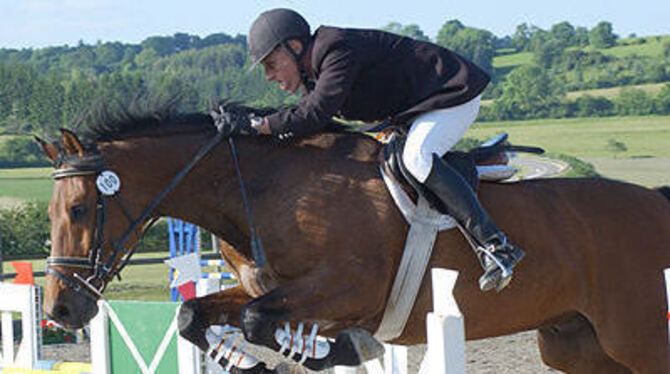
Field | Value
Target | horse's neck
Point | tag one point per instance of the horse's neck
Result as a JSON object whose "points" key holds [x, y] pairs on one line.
{"points": [[275, 176]]}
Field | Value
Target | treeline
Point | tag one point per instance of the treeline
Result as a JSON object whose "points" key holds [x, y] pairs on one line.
{"points": [[530, 92], [24, 232], [44, 89]]}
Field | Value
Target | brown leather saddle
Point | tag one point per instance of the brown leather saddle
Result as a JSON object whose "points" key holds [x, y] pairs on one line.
{"points": [[492, 152]]}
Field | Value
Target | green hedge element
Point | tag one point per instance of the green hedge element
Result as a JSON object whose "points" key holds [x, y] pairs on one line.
{"points": [[25, 231], [578, 168]]}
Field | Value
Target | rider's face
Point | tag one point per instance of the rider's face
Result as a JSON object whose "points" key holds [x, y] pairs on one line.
{"points": [[281, 68]]}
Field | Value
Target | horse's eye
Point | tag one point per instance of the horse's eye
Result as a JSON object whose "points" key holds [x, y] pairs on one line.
{"points": [[78, 212]]}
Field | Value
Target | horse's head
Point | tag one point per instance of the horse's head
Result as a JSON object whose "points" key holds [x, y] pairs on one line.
{"points": [[81, 261]]}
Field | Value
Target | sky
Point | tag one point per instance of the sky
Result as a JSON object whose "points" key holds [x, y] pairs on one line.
{"points": [[40, 23]]}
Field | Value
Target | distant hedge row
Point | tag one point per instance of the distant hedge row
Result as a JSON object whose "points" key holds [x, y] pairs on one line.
{"points": [[24, 232]]}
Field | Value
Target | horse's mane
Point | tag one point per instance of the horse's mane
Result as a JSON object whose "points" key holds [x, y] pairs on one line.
{"points": [[143, 116]]}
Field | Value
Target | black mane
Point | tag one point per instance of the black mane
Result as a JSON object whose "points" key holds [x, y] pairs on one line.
{"points": [[113, 120]]}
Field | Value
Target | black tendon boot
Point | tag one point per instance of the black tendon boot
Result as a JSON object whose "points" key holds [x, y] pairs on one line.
{"points": [[496, 255]]}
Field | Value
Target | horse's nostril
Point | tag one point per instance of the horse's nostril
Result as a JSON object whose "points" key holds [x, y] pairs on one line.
{"points": [[61, 312]]}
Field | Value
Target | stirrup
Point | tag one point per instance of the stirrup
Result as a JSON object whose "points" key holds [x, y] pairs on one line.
{"points": [[488, 251]]}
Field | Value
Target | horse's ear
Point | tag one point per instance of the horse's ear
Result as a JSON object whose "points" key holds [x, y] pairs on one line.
{"points": [[49, 149], [71, 144]]}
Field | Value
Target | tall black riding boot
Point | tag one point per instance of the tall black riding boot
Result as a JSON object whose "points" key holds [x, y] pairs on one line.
{"points": [[496, 255]]}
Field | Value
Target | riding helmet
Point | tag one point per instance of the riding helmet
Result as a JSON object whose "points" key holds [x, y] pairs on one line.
{"points": [[272, 28]]}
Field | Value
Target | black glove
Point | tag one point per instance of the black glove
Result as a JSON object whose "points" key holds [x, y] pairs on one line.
{"points": [[231, 124]]}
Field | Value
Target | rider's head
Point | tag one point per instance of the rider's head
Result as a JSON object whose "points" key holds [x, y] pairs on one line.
{"points": [[278, 39]]}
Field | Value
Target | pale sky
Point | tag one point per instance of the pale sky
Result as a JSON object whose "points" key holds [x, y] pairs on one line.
{"points": [[39, 23]]}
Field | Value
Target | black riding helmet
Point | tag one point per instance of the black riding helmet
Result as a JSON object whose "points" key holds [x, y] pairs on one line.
{"points": [[275, 28]]}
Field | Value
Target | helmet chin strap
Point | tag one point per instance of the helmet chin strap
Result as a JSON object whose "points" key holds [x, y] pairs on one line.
{"points": [[298, 57]]}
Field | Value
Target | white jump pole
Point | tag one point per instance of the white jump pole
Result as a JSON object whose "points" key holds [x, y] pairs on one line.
{"points": [[445, 328]]}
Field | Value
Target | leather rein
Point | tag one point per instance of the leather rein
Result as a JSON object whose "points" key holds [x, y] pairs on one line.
{"points": [[103, 269]]}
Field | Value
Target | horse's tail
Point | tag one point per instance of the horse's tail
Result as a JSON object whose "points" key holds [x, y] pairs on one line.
{"points": [[665, 191]]}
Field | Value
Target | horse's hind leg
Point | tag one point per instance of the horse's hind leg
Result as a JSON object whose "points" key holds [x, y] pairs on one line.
{"points": [[572, 347]]}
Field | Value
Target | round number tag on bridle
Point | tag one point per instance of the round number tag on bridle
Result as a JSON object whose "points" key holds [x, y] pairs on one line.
{"points": [[108, 183]]}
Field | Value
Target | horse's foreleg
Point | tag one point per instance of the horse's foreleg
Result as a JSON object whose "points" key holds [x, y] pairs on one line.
{"points": [[196, 315], [288, 318], [197, 318]]}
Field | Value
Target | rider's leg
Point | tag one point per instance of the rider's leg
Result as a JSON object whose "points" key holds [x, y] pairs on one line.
{"points": [[431, 135]]}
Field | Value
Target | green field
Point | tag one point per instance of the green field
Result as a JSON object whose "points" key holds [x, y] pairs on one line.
{"points": [[140, 282], [512, 60], [652, 47], [25, 184], [646, 162], [587, 137]]}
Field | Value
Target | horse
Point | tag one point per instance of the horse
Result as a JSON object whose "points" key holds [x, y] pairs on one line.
{"points": [[591, 283]]}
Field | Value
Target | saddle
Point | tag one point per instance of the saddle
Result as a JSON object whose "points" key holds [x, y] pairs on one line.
{"points": [[488, 162], [421, 210]]}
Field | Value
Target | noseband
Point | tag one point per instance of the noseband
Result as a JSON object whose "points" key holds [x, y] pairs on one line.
{"points": [[101, 271]]}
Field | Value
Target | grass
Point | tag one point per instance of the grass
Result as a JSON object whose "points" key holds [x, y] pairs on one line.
{"points": [[25, 184], [139, 282], [587, 137], [512, 60], [646, 140], [652, 47]]}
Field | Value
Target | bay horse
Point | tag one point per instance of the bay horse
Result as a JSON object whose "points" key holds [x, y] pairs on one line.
{"points": [[591, 283]]}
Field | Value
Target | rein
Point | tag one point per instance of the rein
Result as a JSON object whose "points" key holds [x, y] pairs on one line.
{"points": [[104, 270]]}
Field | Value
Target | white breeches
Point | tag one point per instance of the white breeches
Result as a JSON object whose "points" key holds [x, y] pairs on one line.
{"points": [[436, 132]]}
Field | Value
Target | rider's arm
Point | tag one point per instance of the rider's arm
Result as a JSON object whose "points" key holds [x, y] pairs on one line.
{"points": [[338, 71]]}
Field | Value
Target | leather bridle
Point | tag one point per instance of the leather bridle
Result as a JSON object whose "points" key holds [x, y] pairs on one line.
{"points": [[103, 269]]}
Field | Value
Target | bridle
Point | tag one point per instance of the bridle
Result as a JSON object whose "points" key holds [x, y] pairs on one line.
{"points": [[103, 270]]}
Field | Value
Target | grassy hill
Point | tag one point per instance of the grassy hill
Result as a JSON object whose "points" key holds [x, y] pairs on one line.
{"points": [[650, 46]]}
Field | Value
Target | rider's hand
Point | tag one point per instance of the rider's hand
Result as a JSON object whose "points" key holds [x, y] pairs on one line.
{"points": [[261, 125], [231, 123]]}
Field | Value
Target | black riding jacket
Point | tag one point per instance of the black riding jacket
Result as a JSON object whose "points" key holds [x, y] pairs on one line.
{"points": [[371, 75]]}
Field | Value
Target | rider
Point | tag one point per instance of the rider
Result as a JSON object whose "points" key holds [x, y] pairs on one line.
{"points": [[371, 75]]}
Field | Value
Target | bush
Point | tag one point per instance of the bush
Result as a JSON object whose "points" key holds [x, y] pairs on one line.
{"points": [[590, 106], [24, 230], [633, 102], [21, 151], [578, 168]]}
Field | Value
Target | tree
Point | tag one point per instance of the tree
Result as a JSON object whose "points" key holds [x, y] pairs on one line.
{"points": [[411, 31], [448, 31], [474, 44], [633, 102], [615, 147], [666, 49], [563, 34], [581, 36], [601, 36], [589, 106], [549, 53], [662, 104], [521, 37], [529, 91]]}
